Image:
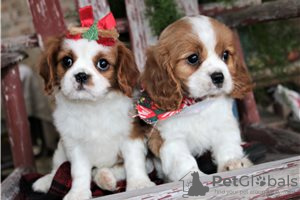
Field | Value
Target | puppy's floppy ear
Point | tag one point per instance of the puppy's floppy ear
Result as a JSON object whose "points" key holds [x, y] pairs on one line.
{"points": [[159, 80], [241, 78], [48, 63], [127, 71]]}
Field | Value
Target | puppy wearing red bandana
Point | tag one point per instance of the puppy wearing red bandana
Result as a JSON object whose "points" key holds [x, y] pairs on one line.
{"points": [[92, 76], [190, 79]]}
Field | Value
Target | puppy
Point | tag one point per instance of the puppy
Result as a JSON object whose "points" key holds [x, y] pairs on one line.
{"points": [[190, 79], [93, 83]]}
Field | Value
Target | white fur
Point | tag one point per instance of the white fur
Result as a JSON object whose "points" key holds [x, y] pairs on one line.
{"points": [[214, 128], [95, 126]]}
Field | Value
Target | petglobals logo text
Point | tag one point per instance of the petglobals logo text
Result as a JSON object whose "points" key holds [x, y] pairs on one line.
{"points": [[254, 181], [193, 187]]}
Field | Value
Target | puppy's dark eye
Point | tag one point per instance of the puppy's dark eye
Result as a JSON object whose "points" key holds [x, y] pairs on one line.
{"points": [[193, 59], [67, 61], [225, 56], [102, 64]]}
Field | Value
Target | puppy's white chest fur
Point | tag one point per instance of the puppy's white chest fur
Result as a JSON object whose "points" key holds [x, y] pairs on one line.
{"points": [[206, 129], [96, 128]]}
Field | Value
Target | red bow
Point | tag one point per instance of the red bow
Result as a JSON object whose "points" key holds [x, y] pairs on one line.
{"points": [[87, 20]]}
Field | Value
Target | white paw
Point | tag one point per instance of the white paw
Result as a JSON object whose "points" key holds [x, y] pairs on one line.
{"points": [[105, 179], [42, 184], [235, 164], [78, 195], [138, 184]]}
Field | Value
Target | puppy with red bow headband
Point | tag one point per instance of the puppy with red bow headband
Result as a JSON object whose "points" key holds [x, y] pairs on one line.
{"points": [[92, 76]]}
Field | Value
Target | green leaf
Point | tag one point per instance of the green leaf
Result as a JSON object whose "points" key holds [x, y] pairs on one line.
{"points": [[92, 33]]}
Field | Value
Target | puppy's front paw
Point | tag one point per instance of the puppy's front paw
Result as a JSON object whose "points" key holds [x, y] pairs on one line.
{"points": [[78, 195], [138, 184], [235, 164], [42, 184], [105, 179]]}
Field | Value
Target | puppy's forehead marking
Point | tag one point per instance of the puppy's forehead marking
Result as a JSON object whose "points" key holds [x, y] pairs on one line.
{"points": [[83, 47], [202, 27]]}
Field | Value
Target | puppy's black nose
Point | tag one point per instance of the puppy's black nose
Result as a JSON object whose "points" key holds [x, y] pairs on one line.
{"points": [[82, 77], [217, 78]]}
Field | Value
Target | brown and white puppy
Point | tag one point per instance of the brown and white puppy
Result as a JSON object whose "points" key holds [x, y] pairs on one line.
{"points": [[93, 85], [196, 57]]}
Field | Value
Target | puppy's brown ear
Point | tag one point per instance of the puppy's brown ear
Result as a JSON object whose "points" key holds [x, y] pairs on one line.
{"points": [[241, 78], [159, 80], [48, 63], [127, 71]]}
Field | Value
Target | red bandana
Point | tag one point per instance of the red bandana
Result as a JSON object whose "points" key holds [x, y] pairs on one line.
{"points": [[150, 113], [87, 20]]}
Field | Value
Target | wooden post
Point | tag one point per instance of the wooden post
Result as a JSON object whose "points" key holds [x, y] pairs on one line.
{"points": [[48, 18], [141, 35], [247, 106], [16, 117]]}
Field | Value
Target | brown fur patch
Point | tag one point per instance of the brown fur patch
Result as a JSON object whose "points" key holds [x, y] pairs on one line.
{"points": [[127, 72], [48, 63], [155, 141], [142, 131], [226, 40], [111, 59], [139, 129], [61, 70]]}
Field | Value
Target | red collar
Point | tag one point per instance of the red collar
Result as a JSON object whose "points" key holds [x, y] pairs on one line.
{"points": [[149, 112]]}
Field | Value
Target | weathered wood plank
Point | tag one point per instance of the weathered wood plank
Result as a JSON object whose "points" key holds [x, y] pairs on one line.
{"points": [[213, 9], [10, 186], [47, 17], [268, 11], [141, 35], [11, 58], [278, 170], [247, 106], [16, 117], [18, 43]]}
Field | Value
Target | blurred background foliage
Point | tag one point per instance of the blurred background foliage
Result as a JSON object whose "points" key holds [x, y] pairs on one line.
{"points": [[161, 14]]}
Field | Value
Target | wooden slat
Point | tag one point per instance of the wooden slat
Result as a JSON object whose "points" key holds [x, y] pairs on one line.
{"points": [[19, 43], [268, 11], [247, 107], [141, 35], [100, 7], [281, 169], [10, 186], [48, 18], [216, 8], [16, 117], [11, 58]]}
